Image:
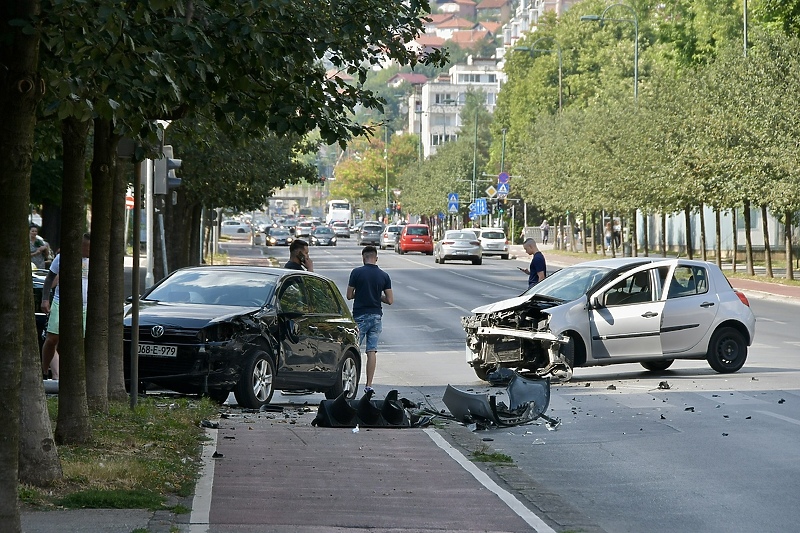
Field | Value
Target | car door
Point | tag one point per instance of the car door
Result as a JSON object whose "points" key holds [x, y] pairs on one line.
{"points": [[297, 346], [690, 309], [625, 319], [324, 326]]}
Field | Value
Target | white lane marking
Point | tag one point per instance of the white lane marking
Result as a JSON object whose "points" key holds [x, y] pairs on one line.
{"points": [[431, 295], [781, 417], [201, 504], [411, 288], [514, 504], [763, 319], [458, 307]]}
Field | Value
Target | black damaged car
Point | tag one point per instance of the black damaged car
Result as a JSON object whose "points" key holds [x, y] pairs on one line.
{"points": [[250, 330]]}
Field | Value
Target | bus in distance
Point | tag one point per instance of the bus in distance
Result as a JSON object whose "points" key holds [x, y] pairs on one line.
{"points": [[337, 210]]}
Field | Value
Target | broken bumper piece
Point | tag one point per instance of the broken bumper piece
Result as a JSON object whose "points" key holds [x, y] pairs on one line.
{"points": [[528, 399]]}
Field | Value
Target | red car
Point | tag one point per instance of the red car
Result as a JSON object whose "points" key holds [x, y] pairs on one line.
{"points": [[415, 238]]}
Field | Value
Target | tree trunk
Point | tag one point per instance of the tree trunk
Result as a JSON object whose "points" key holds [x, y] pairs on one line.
{"points": [[116, 284], [687, 218], [39, 463], [73, 425], [663, 235], [646, 233], [787, 230], [20, 91], [717, 237], [735, 239], [51, 224], [103, 170], [767, 251], [703, 243], [748, 240], [632, 236], [594, 233]]}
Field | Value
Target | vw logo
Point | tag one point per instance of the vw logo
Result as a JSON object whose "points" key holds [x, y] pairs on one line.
{"points": [[157, 331]]}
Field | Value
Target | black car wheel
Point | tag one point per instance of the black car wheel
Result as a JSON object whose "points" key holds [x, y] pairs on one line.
{"points": [[727, 350], [658, 366], [482, 372], [347, 379], [477, 261], [254, 388]]}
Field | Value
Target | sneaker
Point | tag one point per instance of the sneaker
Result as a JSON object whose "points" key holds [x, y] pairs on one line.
{"points": [[367, 390]]}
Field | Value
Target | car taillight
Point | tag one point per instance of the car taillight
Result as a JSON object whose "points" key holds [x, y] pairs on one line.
{"points": [[506, 241], [475, 243], [448, 242], [743, 298]]}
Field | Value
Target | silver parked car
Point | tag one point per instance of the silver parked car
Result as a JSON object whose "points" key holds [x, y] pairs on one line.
{"points": [[627, 310], [494, 242], [370, 233], [459, 245]]}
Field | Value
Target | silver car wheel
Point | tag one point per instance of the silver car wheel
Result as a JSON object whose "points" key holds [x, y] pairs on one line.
{"points": [[262, 380]]}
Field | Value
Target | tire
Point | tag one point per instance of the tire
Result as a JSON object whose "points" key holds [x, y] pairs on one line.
{"points": [[254, 388], [478, 261], [658, 366], [400, 251], [383, 247], [568, 351], [727, 350], [348, 374], [441, 261], [504, 256], [482, 373]]}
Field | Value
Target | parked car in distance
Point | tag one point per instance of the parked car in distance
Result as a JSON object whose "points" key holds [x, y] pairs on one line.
{"points": [[415, 238], [493, 242], [279, 237], [370, 233], [323, 236], [459, 245], [625, 310], [234, 227], [341, 229], [216, 329], [389, 235]]}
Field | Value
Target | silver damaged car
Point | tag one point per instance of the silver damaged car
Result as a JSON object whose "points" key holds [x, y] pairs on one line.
{"points": [[626, 310]]}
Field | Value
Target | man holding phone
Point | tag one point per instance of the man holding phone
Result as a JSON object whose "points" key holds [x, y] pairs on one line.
{"points": [[298, 257]]}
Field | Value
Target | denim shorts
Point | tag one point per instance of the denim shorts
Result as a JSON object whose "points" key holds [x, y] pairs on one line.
{"points": [[369, 329]]}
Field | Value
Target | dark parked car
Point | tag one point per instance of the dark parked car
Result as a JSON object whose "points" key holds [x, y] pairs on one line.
{"points": [[370, 233], [249, 330]]}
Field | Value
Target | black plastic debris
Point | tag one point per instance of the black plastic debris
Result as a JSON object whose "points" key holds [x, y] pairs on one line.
{"points": [[500, 377], [663, 385], [209, 424], [365, 412], [528, 399]]}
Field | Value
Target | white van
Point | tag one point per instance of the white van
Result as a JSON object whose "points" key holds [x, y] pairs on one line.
{"points": [[493, 242]]}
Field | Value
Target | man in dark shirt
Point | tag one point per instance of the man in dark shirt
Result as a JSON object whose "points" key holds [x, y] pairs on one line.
{"points": [[298, 257], [369, 286], [538, 267]]}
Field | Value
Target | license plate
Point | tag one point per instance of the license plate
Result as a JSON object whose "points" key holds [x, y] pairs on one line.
{"points": [[461, 252], [417, 240], [158, 350]]}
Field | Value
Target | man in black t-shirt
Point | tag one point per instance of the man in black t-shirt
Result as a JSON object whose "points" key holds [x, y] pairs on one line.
{"points": [[298, 257]]}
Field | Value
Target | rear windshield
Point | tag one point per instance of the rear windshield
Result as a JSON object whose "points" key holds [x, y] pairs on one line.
{"points": [[422, 230], [493, 235]]}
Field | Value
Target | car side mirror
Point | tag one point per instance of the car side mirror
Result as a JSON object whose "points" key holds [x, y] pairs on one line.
{"points": [[595, 302]]}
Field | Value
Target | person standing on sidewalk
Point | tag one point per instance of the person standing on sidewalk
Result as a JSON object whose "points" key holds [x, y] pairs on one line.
{"points": [[369, 287], [538, 267], [298, 257], [49, 355]]}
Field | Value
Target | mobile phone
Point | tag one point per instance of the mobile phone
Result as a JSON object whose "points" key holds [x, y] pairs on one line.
{"points": [[302, 258], [520, 268]]}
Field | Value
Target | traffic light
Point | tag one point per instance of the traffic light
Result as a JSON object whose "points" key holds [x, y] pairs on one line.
{"points": [[501, 206], [164, 177], [366, 412]]}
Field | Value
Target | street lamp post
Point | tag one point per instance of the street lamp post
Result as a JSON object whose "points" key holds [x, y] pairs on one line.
{"points": [[386, 165], [635, 20], [533, 49]]}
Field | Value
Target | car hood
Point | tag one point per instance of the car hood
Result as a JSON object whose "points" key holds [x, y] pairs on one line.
{"points": [[185, 315], [502, 305]]}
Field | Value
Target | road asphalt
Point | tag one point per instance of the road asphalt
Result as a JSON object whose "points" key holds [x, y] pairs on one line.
{"points": [[275, 472]]}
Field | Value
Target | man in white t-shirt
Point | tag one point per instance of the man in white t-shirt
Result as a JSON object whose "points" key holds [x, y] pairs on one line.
{"points": [[49, 355]]}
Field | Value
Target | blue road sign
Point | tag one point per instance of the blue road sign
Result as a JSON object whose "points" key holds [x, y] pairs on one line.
{"points": [[480, 207], [452, 198], [452, 207], [502, 190], [503, 177]]}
